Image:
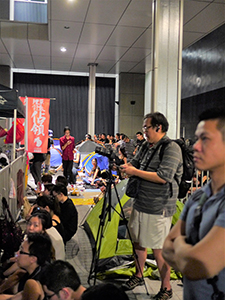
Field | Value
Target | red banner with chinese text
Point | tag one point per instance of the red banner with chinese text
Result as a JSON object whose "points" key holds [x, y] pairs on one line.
{"points": [[37, 124]]}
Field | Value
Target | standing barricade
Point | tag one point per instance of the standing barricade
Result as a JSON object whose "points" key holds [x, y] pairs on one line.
{"points": [[12, 184]]}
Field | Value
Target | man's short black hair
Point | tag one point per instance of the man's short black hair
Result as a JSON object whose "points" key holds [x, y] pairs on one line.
{"points": [[60, 188], [157, 119], [216, 113], [66, 128], [62, 179], [60, 274], [49, 186], [46, 178], [49, 201], [104, 291], [40, 246], [139, 132]]}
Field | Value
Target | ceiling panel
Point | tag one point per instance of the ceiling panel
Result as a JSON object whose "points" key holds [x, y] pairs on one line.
{"points": [[106, 12], [90, 52], [2, 47], [138, 13], [16, 46], [68, 10], [112, 53], [42, 62], [208, 19], [95, 34], [23, 61], [40, 47], [144, 40], [60, 34], [6, 60], [14, 30], [125, 36], [192, 8], [190, 37], [135, 54]]}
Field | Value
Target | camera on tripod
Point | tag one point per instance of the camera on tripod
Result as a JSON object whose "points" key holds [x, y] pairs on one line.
{"points": [[106, 151]]}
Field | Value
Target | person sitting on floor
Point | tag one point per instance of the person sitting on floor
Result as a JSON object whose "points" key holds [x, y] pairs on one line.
{"points": [[69, 215], [94, 174], [37, 223], [61, 179], [33, 257], [61, 281], [51, 205]]}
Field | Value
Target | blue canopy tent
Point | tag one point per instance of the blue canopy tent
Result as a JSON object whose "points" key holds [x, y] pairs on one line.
{"points": [[101, 160]]}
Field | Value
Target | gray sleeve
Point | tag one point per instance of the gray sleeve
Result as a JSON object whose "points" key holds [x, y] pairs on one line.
{"points": [[171, 164]]}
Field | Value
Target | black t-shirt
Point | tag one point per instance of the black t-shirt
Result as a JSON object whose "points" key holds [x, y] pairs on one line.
{"points": [[36, 275], [69, 218]]}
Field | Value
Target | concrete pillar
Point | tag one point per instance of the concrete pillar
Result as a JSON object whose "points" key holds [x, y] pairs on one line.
{"points": [[91, 98], [163, 84], [131, 103]]}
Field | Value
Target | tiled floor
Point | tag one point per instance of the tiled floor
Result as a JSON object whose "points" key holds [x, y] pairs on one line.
{"points": [[79, 254]]}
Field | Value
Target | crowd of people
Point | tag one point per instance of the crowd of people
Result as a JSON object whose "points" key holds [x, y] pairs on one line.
{"points": [[195, 246]]}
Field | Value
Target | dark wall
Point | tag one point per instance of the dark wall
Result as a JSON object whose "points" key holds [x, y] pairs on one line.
{"points": [[203, 64], [4, 9], [203, 79], [193, 106], [71, 104]]}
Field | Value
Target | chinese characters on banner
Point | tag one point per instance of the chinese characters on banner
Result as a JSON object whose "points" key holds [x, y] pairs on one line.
{"points": [[37, 124]]}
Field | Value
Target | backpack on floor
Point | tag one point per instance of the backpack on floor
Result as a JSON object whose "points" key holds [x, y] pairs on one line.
{"points": [[188, 166]]}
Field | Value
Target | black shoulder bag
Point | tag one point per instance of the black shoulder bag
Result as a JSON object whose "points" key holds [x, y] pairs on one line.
{"points": [[10, 231], [133, 184]]}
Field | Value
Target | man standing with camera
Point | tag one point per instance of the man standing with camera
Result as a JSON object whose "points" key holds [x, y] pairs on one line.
{"points": [[155, 203]]}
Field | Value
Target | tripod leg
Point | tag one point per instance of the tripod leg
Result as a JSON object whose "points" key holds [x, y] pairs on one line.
{"points": [[135, 255]]}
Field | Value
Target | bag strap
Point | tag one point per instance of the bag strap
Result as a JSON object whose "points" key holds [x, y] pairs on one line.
{"points": [[5, 204], [151, 156]]}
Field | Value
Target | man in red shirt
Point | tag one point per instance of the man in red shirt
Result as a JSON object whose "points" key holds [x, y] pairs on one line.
{"points": [[67, 144]]}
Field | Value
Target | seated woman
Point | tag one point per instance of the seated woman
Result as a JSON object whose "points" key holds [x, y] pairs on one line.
{"points": [[51, 204], [94, 174]]}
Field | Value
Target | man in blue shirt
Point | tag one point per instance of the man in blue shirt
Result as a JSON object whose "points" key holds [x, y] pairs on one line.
{"points": [[196, 244]]}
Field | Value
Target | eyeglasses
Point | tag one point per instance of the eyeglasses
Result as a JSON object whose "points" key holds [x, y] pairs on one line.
{"points": [[145, 128], [24, 253], [49, 296]]}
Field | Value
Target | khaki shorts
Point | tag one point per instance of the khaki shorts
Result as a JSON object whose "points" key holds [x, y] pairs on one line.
{"points": [[149, 231]]}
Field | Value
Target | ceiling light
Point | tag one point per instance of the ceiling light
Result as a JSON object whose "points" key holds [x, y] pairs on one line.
{"points": [[63, 49]]}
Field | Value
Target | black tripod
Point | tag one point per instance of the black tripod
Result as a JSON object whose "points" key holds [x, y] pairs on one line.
{"points": [[106, 213]]}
